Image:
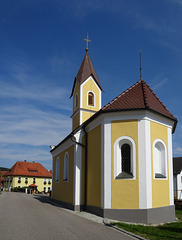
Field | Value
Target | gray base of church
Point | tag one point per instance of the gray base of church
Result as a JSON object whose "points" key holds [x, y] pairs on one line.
{"points": [[147, 216]]}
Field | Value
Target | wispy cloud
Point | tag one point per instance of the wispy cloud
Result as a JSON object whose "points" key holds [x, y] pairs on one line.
{"points": [[160, 83]]}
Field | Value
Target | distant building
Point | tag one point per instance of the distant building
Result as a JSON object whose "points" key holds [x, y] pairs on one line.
{"points": [[2, 173], [28, 174], [177, 172]]}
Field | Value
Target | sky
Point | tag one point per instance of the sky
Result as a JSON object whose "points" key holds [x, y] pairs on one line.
{"points": [[42, 46]]}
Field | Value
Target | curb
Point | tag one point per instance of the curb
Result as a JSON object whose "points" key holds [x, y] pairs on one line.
{"points": [[107, 223]]}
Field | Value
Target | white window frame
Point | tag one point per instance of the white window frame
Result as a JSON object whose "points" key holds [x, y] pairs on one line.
{"points": [[57, 169], [163, 159], [117, 156], [66, 167], [88, 101]]}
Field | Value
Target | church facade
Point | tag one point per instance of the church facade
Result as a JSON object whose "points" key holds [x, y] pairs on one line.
{"points": [[117, 161]]}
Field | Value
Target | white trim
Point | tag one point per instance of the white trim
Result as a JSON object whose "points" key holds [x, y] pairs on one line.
{"points": [[117, 155], [77, 169], [158, 140], [144, 164], [90, 91], [170, 163], [92, 80], [106, 164], [68, 143]]}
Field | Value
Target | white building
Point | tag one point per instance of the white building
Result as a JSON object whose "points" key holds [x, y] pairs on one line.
{"points": [[177, 172]]}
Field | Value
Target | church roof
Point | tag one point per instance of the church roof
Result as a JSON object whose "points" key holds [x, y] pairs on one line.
{"points": [[177, 165], [139, 96], [86, 69], [28, 169]]}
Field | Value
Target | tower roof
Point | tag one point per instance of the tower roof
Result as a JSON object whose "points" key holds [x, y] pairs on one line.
{"points": [[138, 96], [86, 69]]}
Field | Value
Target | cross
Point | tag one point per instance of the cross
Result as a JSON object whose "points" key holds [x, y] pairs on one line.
{"points": [[87, 40]]}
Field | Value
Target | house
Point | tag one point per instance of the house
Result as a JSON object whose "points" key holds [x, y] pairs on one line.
{"points": [[177, 173], [29, 175], [117, 161]]}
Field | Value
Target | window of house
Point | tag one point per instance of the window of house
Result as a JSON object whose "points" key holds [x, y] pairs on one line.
{"points": [[57, 170], [19, 179], [44, 189], [26, 180], [66, 166], [34, 180], [124, 158], [76, 100], [91, 99], [45, 181], [49, 181], [159, 159]]}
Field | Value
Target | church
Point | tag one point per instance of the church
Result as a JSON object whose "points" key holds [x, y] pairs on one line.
{"points": [[117, 161]]}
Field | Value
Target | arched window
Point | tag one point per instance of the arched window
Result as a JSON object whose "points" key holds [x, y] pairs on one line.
{"points": [[66, 167], [90, 99], [124, 158], [57, 170], [76, 100], [159, 159]]}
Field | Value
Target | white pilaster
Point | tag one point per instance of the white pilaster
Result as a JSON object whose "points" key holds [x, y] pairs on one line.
{"points": [[170, 162], [145, 171], [77, 170], [106, 165]]}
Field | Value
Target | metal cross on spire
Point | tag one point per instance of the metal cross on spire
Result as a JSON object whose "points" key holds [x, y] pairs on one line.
{"points": [[87, 40], [140, 65]]}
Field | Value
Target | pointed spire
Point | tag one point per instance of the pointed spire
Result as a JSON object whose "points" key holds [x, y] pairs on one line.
{"points": [[86, 70]]}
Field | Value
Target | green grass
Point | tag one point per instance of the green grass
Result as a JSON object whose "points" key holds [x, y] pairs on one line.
{"points": [[172, 231]]}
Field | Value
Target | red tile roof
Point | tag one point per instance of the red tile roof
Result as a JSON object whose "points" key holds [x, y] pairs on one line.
{"points": [[28, 169], [86, 69], [138, 96]]}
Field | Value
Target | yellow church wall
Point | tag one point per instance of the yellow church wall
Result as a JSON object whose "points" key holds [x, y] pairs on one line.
{"points": [[76, 91], [160, 187], [86, 115], [76, 121], [63, 190], [94, 167], [125, 192], [90, 85]]}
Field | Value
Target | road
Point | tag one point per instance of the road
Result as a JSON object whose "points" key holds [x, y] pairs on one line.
{"points": [[31, 217]]}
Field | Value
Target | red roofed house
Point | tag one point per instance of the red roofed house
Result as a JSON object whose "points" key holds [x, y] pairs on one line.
{"points": [[28, 174], [117, 161]]}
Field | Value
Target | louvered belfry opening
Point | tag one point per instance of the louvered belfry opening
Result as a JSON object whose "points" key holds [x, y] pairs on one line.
{"points": [[126, 158], [90, 99]]}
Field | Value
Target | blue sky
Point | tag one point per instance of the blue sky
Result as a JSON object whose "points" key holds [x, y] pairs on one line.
{"points": [[42, 47]]}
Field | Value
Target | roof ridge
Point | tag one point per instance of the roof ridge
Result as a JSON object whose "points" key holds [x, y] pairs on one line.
{"points": [[121, 94], [145, 99]]}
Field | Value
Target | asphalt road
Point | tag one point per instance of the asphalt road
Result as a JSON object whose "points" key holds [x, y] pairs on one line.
{"points": [[29, 217]]}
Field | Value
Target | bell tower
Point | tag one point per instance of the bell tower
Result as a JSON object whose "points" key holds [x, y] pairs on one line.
{"points": [[86, 92]]}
